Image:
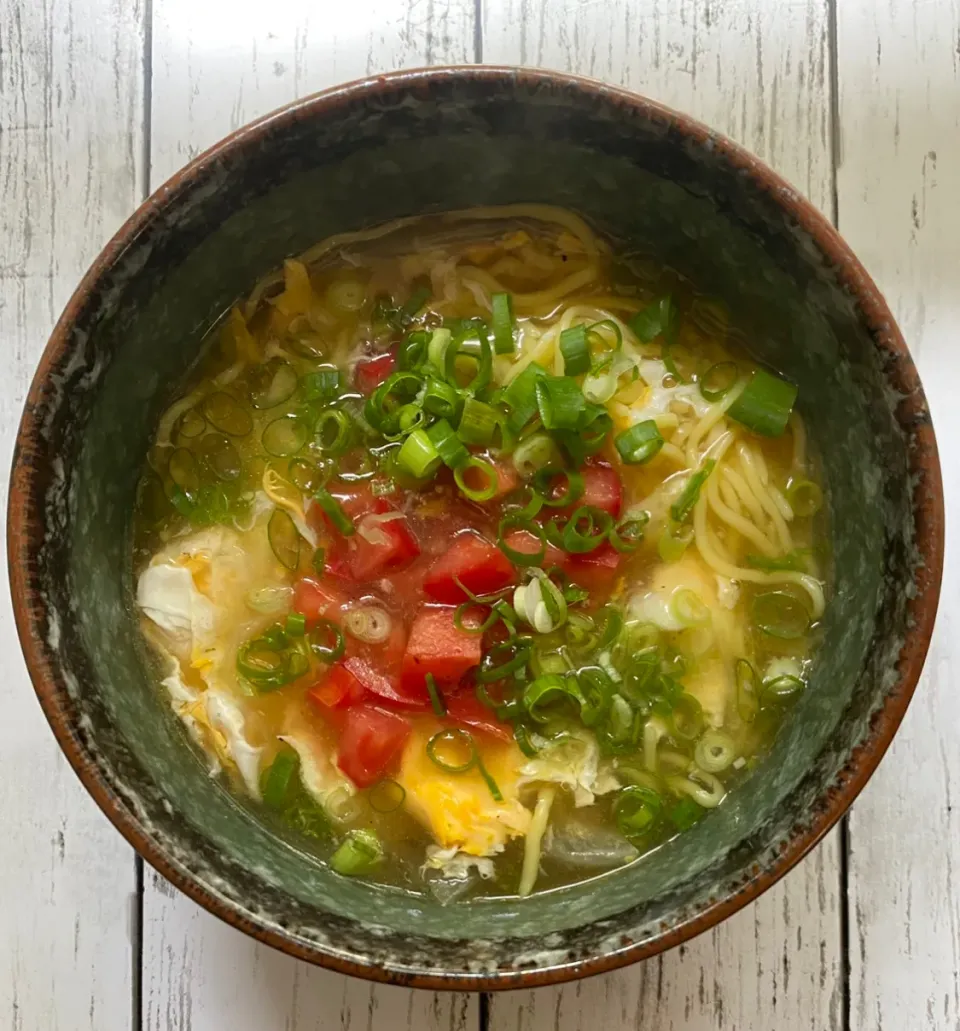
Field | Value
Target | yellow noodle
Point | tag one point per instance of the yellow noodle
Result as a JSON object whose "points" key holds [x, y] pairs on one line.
{"points": [[781, 502], [741, 525], [752, 473], [746, 495], [537, 299], [712, 416]]}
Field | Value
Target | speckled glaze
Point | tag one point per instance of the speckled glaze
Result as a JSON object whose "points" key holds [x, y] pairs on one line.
{"points": [[427, 141]]}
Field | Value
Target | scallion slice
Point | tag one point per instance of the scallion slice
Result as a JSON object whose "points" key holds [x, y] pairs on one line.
{"points": [[805, 498], [783, 686], [473, 468], [460, 353], [560, 402], [441, 399], [504, 659], [586, 530], [627, 535], [501, 319], [518, 521], [681, 508], [327, 641], [780, 614], [333, 510], [480, 423], [718, 380], [639, 443], [386, 796], [488, 780], [548, 690], [765, 403], [436, 699], [295, 625], [320, 561], [533, 453], [279, 780], [358, 854], [321, 385], [440, 341], [545, 486], [575, 351], [418, 456], [334, 431], [458, 742], [416, 300], [521, 396], [449, 446], [748, 690], [637, 809], [284, 539], [656, 319]]}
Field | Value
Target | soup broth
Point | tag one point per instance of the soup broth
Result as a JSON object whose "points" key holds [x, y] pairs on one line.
{"points": [[478, 556]]}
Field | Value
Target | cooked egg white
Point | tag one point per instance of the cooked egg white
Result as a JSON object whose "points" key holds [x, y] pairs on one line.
{"points": [[573, 761], [329, 788], [458, 808]]}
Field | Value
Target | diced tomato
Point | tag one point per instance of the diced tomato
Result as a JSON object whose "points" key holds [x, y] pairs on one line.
{"points": [[436, 646], [381, 546], [369, 374], [466, 709], [473, 561], [370, 743], [384, 687], [601, 488], [318, 600], [507, 478], [338, 689], [356, 503], [596, 569], [526, 543]]}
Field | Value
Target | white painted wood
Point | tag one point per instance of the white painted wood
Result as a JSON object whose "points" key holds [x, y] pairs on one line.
{"points": [[212, 72], [70, 169], [899, 104], [758, 71]]}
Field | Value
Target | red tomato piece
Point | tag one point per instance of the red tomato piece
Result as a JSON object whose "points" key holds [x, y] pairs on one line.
{"points": [[596, 569], [526, 543], [338, 689], [318, 600], [467, 710], [479, 565], [369, 374], [507, 478], [436, 646], [381, 546], [601, 488], [370, 743], [385, 688], [355, 503]]}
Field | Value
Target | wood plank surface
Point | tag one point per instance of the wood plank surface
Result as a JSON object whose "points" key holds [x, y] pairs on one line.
{"points": [[759, 72], [212, 74], [71, 171], [899, 104]]}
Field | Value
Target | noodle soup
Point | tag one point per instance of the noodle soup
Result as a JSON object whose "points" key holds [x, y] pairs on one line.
{"points": [[477, 557]]}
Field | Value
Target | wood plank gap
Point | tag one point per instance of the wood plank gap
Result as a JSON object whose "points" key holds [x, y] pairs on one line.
{"points": [[147, 133], [478, 31], [136, 935], [484, 1008], [833, 100], [844, 905]]}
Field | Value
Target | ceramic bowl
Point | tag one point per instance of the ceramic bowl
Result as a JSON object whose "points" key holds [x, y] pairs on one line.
{"points": [[424, 141]]}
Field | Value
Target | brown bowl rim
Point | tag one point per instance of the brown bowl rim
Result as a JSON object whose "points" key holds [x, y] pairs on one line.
{"points": [[24, 529]]}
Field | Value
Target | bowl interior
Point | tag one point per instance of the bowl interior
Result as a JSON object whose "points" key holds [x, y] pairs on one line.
{"points": [[352, 161]]}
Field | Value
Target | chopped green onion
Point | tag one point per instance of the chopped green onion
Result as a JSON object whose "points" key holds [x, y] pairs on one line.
{"points": [[718, 380], [783, 686], [190, 425], [416, 300], [358, 854], [380, 409], [748, 690], [284, 539], [560, 402], [674, 541], [533, 453], [521, 396], [781, 615], [765, 403], [586, 530], [295, 624], [546, 691], [793, 561], [440, 341], [305, 475], [627, 535], [286, 436], [477, 466], [449, 446], [636, 810], [639, 443], [267, 662], [436, 699], [685, 813], [333, 432], [279, 780], [517, 521], [489, 781], [479, 423], [805, 498], [655, 320], [501, 318], [686, 717], [413, 349], [441, 399], [503, 659], [320, 561], [687, 608], [576, 353], [715, 751], [227, 415], [681, 508], [272, 383], [386, 796], [333, 510], [453, 739], [321, 385], [477, 352], [418, 456], [327, 641], [182, 467], [545, 487], [522, 737]]}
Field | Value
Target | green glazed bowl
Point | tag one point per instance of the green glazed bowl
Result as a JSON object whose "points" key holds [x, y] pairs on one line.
{"points": [[405, 144]]}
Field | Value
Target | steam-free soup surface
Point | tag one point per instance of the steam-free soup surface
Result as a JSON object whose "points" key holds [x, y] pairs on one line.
{"points": [[479, 557]]}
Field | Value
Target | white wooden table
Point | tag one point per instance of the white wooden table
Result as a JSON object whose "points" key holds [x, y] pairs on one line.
{"points": [[858, 103]]}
